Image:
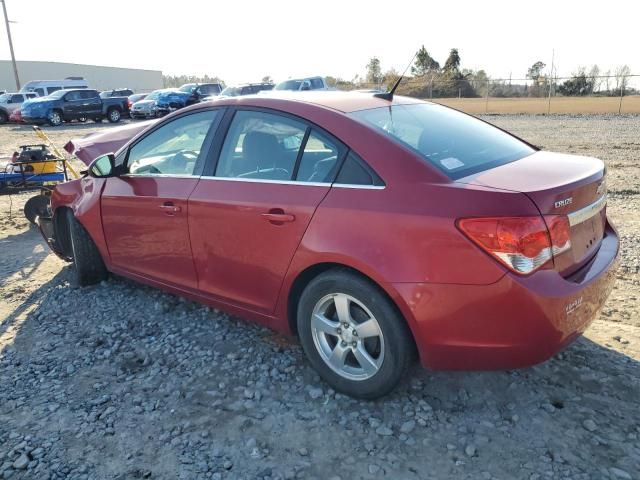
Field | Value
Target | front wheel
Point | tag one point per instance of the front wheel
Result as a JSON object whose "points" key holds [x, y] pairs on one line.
{"points": [[88, 266], [55, 118], [114, 115], [353, 335]]}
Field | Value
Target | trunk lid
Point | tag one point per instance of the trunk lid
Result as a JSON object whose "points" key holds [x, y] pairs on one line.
{"points": [[558, 184]]}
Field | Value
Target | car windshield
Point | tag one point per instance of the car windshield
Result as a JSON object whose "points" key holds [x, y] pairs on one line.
{"points": [[105, 94], [456, 143], [188, 88], [231, 91], [289, 85], [153, 95]]}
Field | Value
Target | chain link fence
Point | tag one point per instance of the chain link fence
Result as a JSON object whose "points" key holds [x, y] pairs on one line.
{"points": [[559, 94]]}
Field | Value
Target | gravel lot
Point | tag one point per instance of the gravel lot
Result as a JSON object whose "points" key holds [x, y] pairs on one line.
{"points": [[120, 381]]}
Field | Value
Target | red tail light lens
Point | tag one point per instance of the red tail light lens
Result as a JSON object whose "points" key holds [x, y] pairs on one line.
{"points": [[523, 244]]}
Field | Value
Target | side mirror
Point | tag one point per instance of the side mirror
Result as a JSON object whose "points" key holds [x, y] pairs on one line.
{"points": [[104, 166]]}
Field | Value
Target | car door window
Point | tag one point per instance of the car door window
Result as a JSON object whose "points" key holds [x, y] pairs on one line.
{"points": [[16, 98], [316, 83], [172, 149], [319, 159], [72, 96], [261, 145]]}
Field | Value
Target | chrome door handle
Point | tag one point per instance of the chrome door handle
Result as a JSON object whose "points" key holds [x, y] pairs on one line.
{"points": [[277, 216], [170, 209]]}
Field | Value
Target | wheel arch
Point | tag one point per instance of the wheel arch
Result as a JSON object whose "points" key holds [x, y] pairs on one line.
{"points": [[304, 277]]}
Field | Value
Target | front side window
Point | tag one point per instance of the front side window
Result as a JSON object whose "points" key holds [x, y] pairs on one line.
{"points": [[172, 149], [319, 159], [455, 143], [316, 83], [16, 99], [72, 96], [261, 145]]}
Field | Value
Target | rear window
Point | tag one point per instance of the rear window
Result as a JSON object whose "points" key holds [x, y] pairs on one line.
{"points": [[455, 143]]}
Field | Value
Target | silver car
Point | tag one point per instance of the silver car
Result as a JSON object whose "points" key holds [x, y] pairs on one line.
{"points": [[147, 107], [10, 102]]}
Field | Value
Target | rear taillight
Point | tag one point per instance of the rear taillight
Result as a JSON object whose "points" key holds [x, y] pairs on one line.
{"points": [[523, 244]]}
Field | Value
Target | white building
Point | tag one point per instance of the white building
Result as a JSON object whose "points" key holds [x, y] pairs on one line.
{"points": [[99, 77]]}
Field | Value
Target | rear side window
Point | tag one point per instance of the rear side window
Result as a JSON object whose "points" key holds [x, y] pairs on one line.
{"points": [[316, 83], [261, 145], [53, 89], [355, 171], [319, 159], [455, 143]]}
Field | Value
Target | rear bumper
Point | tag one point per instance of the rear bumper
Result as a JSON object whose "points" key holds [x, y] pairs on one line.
{"points": [[515, 322]]}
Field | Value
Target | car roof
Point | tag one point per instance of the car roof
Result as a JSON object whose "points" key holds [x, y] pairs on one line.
{"points": [[345, 102]]}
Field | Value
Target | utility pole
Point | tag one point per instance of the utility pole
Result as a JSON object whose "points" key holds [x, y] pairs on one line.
{"points": [[13, 56]]}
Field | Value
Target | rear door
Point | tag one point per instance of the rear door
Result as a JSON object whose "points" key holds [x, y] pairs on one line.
{"points": [[145, 212], [72, 104], [92, 104], [249, 212]]}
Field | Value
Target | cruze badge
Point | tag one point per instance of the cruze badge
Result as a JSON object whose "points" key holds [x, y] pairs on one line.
{"points": [[573, 306], [564, 203]]}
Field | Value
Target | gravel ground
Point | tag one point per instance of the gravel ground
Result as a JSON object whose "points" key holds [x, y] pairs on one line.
{"points": [[120, 381]]}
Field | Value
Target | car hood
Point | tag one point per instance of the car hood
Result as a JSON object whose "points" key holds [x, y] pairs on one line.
{"points": [[38, 100], [144, 104], [91, 146]]}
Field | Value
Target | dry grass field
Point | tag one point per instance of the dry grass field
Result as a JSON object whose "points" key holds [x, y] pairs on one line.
{"points": [[562, 105]]}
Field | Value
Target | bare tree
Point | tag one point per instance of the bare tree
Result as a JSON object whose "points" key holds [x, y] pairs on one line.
{"points": [[621, 76], [607, 79], [593, 79]]}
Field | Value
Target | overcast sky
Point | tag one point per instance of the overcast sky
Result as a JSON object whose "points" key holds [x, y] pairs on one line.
{"points": [[244, 41]]}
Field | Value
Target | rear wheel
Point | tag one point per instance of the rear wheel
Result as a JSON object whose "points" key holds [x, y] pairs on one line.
{"points": [[114, 115], [88, 266], [353, 335], [36, 207]]}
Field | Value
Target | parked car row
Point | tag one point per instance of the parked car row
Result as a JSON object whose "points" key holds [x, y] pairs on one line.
{"points": [[58, 101]]}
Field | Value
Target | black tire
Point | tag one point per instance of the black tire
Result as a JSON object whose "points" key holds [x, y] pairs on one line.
{"points": [[114, 115], [397, 346], [4, 118], [55, 118], [82, 119], [36, 206], [88, 267]]}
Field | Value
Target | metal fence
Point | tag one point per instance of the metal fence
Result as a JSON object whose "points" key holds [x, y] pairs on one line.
{"points": [[558, 94]]}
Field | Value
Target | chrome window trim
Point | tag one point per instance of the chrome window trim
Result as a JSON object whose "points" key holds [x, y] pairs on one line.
{"points": [[293, 182], [161, 175], [264, 180], [587, 212], [361, 187]]}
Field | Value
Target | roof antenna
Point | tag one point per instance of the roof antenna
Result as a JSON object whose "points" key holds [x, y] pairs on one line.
{"points": [[389, 95]]}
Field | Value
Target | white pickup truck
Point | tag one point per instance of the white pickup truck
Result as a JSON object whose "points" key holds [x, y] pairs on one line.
{"points": [[299, 84]]}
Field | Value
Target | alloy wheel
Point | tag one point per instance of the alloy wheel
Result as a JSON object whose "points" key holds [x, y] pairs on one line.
{"points": [[347, 336]]}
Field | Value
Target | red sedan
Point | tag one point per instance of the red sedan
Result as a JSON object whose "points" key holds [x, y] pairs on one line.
{"points": [[375, 229]]}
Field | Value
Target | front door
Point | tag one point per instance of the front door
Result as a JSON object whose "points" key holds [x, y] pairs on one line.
{"points": [[247, 220], [145, 212]]}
